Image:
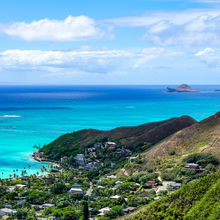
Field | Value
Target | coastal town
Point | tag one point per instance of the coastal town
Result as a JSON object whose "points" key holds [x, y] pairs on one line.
{"points": [[100, 186]]}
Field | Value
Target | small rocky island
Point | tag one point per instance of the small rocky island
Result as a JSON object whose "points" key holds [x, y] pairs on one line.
{"points": [[181, 88]]}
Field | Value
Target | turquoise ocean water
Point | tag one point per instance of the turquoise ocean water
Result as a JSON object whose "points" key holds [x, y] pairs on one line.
{"points": [[32, 115]]}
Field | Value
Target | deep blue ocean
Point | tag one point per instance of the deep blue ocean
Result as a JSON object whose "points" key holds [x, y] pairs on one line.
{"points": [[32, 115]]}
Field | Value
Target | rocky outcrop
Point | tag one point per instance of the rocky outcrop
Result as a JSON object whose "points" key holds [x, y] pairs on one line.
{"points": [[181, 88]]}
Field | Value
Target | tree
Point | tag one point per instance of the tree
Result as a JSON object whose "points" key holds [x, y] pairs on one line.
{"points": [[210, 168], [21, 214], [70, 215], [59, 188], [85, 210], [115, 212]]}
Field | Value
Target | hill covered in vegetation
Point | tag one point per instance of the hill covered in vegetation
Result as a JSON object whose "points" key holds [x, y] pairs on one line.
{"points": [[201, 137], [198, 200], [130, 137]]}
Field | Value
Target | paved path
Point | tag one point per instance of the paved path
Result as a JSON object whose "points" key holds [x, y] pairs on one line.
{"points": [[89, 191]]}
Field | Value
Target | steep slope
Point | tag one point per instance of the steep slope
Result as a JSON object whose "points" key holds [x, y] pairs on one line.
{"points": [[151, 133], [208, 207], [200, 137], [187, 202]]}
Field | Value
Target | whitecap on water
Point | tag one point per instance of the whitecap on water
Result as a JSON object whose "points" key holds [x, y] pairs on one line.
{"points": [[10, 116]]}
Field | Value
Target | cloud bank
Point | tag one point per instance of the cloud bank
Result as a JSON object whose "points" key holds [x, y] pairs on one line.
{"points": [[184, 28], [71, 29], [89, 61]]}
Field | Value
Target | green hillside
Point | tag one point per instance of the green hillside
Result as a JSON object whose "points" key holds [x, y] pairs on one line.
{"points": [[198, 200], [131, 137]]}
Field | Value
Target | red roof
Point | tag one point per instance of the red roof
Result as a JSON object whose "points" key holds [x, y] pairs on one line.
{"points": [[151, 183]]}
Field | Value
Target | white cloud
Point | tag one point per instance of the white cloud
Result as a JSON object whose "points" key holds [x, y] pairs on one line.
{"points": [[209, 56], [203, 52], [182, 28], [87, 61], [70, 29]]}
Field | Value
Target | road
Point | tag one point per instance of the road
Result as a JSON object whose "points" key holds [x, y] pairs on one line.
{"points": [[89, 191]]}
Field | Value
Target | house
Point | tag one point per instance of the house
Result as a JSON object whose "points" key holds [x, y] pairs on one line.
{"points": [[151, 183], [129, 210], [100, 187], [119, 151], [109, 144], [192, 166], [11, 188], [20, 202], [91, 165], [6, 211], [80, 159], [20, 186], [103, 211], [174, 186], [47, 205], [112, 177], [128, 151], [132, 159], [117, 183], [76, 191], [112, 164], [115, 197], [99, 144], [144, 194]]}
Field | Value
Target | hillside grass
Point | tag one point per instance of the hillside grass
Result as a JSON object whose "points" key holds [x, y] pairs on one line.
{"points": [[187, 202]]}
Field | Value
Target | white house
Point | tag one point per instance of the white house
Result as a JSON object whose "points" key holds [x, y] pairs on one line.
{"points": [[115, 197], [20, 186], [103, 211], [117, 183], [47, 205], [107, 144], [76, 191], [6, 211]]}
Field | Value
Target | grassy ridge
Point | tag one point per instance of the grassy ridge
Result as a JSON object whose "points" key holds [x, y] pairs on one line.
{"points": [[146, 134]]}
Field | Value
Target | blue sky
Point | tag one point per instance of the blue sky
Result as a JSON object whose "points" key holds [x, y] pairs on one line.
{"points": [[110, 42]]}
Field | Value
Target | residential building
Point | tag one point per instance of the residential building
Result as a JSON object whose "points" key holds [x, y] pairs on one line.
{"points": [[103, 211], [80, 159], [76, 191], [6, 211]]}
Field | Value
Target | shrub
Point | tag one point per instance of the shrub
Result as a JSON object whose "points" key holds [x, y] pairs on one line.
{"points": [[59, 188], [202, 159], [171, 152]]}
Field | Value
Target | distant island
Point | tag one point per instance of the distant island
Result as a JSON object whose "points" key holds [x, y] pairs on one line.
{"points": [[181, 88]]}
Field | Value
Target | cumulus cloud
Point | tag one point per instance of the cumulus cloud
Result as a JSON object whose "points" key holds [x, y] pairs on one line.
{"points": [[184, 28], [70, 29], [209, 56], [203, 52], [88, 61]]}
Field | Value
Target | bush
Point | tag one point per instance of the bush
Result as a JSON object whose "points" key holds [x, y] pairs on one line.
{"points": [[202, 159], [171, 152], [115, 212], [59, 188], [21, 214]]}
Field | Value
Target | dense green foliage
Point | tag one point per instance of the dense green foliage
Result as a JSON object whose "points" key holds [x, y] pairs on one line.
{"points": [[66, 145], [187, 201], [202, 159], [208, 208]]}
